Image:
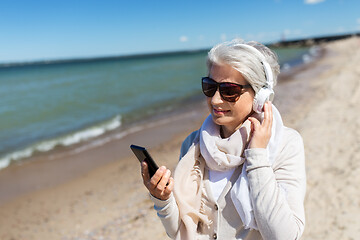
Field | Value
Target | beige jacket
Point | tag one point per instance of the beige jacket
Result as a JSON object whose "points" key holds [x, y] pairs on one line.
{"points": [[277, 193]]}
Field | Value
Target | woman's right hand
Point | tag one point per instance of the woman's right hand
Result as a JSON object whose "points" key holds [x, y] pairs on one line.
{"points": [[161, 184]]}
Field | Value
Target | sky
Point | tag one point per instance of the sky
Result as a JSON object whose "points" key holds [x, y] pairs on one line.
{"points": [[35, 30]]}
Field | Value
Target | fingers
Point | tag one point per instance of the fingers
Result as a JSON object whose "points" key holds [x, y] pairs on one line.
{"points": [[163, 181], [261, 132], [267, 121], [169, 187], [268, 117], [255, 124], [270, 114], [160, 185], [156, 178], [145, 173]]}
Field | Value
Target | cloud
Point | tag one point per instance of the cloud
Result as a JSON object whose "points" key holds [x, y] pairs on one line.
{"points": [[358, 21], [184, 39], [223, 37], [313, 1]]}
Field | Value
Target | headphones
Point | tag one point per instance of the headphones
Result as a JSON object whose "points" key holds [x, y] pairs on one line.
{"points": [[266, 93]]}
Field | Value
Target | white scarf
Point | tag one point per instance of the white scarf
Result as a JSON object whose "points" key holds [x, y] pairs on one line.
{"points": [[226, 154]]}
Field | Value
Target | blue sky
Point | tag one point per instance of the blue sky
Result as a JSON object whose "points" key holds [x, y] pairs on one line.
{"points": [[32, 30]]}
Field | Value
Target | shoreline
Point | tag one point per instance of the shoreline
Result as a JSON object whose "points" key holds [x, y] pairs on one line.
{"points": [[47, 169], [21, 171], [109, 201], [86, 134]]}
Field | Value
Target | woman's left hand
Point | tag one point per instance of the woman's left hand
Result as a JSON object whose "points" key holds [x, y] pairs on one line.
{"points": [[261, 132]]}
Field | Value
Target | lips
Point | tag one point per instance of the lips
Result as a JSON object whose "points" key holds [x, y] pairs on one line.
{"points": [[220, 111]]}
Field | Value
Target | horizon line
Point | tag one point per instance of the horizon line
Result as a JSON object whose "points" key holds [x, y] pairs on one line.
{"points": [[167, 53], [99, 58]]}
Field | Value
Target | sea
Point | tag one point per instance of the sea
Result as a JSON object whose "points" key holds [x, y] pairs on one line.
{"points": [[50, 104]]}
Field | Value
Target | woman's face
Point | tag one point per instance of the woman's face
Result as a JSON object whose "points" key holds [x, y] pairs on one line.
{"points": [[229, 115]]}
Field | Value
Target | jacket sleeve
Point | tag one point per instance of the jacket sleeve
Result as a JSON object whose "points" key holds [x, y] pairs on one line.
{"points": [[167, 210], [277, 192]]}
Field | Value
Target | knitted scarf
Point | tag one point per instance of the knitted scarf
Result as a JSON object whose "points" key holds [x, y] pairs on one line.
{"points": [[219, 155]]}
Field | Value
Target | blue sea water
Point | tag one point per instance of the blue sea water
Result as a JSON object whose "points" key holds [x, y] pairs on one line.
{"points": [[44, 105]]}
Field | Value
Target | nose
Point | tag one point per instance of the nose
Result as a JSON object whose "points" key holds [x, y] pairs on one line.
{"points": [[216, 99]]}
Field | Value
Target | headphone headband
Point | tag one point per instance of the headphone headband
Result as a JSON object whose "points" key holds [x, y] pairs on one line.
{"points": [[267, 69], [266, 92]]}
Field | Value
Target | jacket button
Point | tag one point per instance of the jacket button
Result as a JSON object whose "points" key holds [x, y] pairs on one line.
{"points": [[215, 236], [216, 207]]}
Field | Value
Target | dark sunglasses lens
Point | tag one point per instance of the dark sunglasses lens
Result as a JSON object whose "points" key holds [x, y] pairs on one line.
{"points": [[230, 92], [209, 87]]}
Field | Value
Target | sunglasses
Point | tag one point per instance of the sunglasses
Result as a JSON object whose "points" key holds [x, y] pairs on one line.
{"points": [[230, 92]]}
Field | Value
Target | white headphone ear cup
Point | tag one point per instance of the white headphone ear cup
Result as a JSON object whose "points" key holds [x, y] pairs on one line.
{"points": [[263, 95], [271, 95]]}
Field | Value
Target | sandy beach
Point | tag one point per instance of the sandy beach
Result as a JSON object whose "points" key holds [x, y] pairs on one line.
{"points": [[98, 193]]}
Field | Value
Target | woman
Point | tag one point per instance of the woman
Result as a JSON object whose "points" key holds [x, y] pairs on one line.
{"points": [[242, 174]]}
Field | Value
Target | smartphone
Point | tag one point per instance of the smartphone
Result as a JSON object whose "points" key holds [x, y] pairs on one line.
{"points": [[142, 154]]}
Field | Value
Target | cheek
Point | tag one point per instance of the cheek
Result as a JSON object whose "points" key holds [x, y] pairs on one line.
{"points": [[208, 101], [243, 108]]}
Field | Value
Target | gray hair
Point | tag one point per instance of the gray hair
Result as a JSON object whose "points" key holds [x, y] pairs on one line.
{"points": [[246, 60]]}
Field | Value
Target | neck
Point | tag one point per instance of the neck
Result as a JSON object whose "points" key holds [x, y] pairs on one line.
{"points": [[226, 132]]}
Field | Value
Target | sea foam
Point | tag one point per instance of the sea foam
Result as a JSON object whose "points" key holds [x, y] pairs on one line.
{"points": [[66, 140]]}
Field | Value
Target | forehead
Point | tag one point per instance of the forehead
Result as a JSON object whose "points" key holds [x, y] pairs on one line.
{"points": [[226, 73]]}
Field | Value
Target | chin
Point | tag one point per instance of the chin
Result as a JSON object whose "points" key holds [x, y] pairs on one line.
{"points": [[220, 120]]}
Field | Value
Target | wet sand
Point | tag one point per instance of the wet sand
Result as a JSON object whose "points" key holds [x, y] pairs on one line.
{"points": [[98, 193]]}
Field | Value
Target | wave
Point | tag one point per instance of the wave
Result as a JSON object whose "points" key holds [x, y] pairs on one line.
{"points": [[67, 140], [131, 130], [48, 145]]}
